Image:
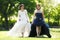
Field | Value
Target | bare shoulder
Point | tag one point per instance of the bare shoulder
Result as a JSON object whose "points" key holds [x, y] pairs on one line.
{"points": [[42, 9], [35, 11], [19, 10], [25, 10]]}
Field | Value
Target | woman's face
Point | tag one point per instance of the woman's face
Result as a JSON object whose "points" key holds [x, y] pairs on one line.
{"points": [[38, 7], [22, 7]]}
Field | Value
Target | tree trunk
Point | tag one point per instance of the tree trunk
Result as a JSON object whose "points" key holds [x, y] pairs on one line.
{"points": [[6, 22]]}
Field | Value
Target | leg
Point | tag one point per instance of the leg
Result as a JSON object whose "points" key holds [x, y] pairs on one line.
{"points": [[21, 28], [27, 30], [38, 30]]}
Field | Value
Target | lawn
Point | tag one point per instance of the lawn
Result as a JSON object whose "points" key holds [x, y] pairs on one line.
{"points": [[55, 32]]}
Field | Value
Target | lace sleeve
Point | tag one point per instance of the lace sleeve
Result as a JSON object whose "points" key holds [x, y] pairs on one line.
{"points": [[19, 16], [27, 16]]}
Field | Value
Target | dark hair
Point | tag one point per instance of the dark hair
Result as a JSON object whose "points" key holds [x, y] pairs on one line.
{"points": [[20, 6], [37, 5]]}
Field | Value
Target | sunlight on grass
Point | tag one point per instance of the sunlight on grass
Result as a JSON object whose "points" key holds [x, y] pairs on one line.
{"points": [[54, 32]]}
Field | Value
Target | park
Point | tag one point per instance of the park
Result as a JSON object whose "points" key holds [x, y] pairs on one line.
{"points": [[9, 13]]}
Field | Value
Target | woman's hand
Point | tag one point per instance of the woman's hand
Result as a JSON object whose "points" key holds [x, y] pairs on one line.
{"points": [[28, 21], [19, 19]]}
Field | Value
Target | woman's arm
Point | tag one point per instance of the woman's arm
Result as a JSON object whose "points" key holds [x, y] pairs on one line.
{"points": [[43, 14], [34, 15], [27, 16], [19, 16]]}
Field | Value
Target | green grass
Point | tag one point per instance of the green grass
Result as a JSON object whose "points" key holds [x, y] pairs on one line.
{"points": [[55, 32]]}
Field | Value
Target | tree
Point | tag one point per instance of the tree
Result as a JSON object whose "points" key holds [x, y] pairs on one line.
{"points": [[9, 8]]}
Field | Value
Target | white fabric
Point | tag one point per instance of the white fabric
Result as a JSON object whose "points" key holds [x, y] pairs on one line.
{"points": [[21, 26], [38, 11]]}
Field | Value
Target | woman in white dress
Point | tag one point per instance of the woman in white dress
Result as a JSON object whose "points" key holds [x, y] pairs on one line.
{"points": [[22, 27]]}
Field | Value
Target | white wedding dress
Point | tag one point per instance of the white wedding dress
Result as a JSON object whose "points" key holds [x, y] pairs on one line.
{"points": [[21, 26]]}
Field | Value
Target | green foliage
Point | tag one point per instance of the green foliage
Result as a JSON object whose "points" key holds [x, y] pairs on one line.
{"points": [[52, 13], [9, 8]]}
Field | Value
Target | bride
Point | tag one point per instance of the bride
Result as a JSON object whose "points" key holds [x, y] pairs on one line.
{"points": [[22, 27]]}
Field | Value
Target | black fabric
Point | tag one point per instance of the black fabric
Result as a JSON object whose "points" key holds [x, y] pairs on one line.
{"points": [[44, 31], [38, 21]]}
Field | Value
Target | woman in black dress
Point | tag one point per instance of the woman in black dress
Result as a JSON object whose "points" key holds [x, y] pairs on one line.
{"points": [[38, 21], [39, 27]]}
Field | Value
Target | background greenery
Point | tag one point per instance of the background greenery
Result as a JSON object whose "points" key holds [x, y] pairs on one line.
{"points": [[9, 11]]}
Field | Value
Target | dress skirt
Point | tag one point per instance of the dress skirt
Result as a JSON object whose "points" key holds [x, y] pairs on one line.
{"points": [[38, 22], [18, 28]]}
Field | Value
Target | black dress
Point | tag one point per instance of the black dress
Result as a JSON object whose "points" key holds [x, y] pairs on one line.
{"points": [[40, 23]]}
